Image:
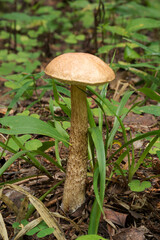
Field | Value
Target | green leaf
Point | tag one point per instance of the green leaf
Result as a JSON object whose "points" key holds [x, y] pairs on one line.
{"points": [[155, 147], [7, 68], [151, 109], [99, 145], [142, 23], [24, 222], [150, 93], [116, 124], [16, 225], [91, 237], [71, 39], [130, 54], [17, 16], [79, 4], [80, 37], [45, 232], [116, 30], [19, 93], [134, 9], [142, 157], [29, 125], [158, 154], [22, 139], [143, 47], [32, 231], [101, 173], [137, 186], [10, 161], [142, 74], [33, 144]]}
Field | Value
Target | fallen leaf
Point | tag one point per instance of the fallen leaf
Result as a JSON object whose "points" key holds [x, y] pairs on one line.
{"points": [[131, 234], [115, 217]]}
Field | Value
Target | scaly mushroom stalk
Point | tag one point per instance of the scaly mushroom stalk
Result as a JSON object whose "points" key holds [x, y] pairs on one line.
{"points": [[74, 188]]}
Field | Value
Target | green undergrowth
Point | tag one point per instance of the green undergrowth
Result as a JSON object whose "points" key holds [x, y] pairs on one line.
{"points": [[123, 33]]}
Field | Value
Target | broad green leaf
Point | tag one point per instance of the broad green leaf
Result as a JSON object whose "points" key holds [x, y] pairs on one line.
{"points": [[16, 225], [116, 30], [134, 9], [91, 237], [137, 186], [32, 231], [80, 37], [22, 139], [17, 16], [45, 232], [71, 39], [79, 4], [140, 37], [33, 144], [29, 125], [7, 68], [130, 54], [142, 23], [151, 109], [44, 10], [107, 48], [150, 93]]}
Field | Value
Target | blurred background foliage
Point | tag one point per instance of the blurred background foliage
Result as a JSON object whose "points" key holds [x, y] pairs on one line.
{"points": [[33, 31]]}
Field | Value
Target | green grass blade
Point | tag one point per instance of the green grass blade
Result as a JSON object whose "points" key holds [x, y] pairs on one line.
{"points": [[101, 159], [141, 159], [11, 160], [94, 218], [150, 93], [18, 95], [90, 116], [118, 113], [145, 135], [103, 95], [96, 188]]}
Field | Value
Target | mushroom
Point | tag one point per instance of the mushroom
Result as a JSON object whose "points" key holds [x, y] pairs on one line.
{"points": [[79, 70]]}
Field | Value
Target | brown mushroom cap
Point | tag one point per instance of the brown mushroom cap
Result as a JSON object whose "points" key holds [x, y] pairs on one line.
{"points": [[80, 69]]}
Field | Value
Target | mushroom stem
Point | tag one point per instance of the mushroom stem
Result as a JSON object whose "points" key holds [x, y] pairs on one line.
{"points": [[74, 188]]}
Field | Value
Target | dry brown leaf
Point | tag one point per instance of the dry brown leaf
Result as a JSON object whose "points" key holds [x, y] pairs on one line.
{"points": [[42, 210], [115, 217], [131, 234], [22, 210], [3, 230], [9, 203]]}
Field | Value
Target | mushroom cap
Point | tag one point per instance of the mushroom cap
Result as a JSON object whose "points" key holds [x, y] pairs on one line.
{"points": [[80, 68]]}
